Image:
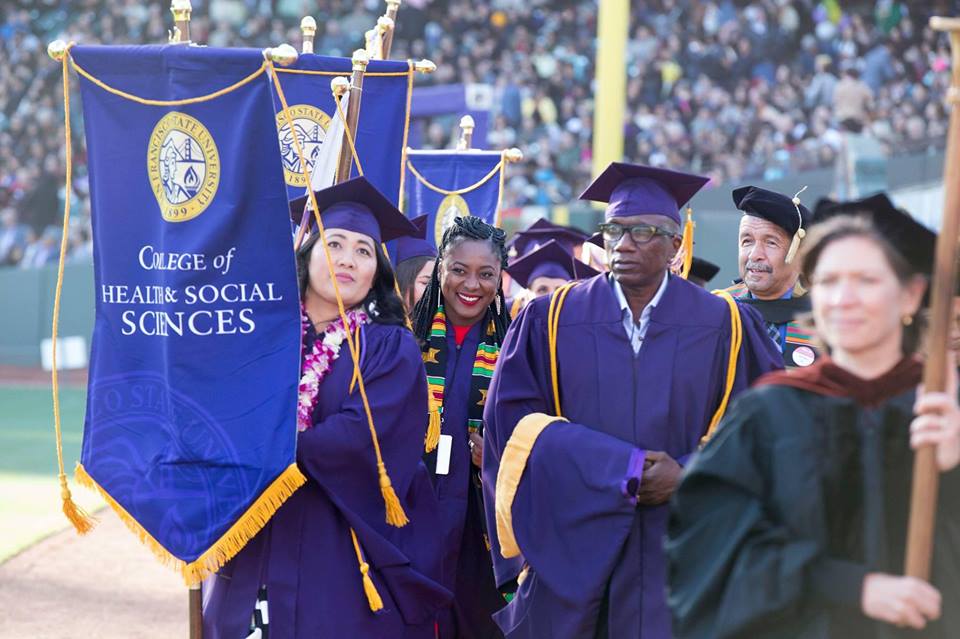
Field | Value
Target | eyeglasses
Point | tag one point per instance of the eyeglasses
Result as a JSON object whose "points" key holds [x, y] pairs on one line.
{"points": [[641, 233]]}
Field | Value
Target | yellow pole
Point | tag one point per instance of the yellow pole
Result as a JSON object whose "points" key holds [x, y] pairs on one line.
{"points": [[611, 90]]}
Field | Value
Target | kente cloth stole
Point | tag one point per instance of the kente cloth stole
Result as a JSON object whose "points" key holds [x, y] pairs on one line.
{"points": [[435, 363]]}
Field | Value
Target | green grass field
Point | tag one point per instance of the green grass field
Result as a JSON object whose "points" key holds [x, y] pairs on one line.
{"points": [[29, 492]]}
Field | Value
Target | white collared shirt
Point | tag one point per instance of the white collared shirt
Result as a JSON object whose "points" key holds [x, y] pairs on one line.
{"points": [[637, 330]]}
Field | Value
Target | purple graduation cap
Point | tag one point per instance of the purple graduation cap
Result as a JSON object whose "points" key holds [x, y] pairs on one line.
{"points": [[542, 231], [356, 205], [549, 260], [410, 247], [635, 189]]}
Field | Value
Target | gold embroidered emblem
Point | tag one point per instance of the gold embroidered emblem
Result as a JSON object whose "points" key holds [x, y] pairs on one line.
{"points": [[310, 124], [450, 207], [183, 165]]}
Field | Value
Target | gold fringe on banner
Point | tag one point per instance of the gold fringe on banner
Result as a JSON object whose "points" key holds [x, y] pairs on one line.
{"points": [[230, 543]]}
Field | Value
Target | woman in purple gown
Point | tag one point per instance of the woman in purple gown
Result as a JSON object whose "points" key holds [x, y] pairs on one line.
{"points": [[461, 320], [332, 562]]}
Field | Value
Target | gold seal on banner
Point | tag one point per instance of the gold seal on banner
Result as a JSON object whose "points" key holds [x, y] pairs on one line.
{"points": [[184, 166], [310, 124], [450, 207]]}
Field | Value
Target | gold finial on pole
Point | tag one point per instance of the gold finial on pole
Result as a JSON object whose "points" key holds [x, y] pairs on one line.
{"points": [[393, 7], [467, 125], [284, 55], [181, 10], [513, 155], [308, 27], [926, 473], [57, 49], [360, 60], [424, 66]]}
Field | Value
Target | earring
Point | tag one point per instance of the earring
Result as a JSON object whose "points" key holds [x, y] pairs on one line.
{"points": [[907, 320], [497, 298]]}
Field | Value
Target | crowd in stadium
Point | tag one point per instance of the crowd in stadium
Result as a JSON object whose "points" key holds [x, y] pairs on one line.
{"points": [[735, 90]]}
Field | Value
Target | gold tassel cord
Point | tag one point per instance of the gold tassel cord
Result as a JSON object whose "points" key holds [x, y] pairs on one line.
{"points": [[736, 339], [794, 246], [367, 74], [369, 589], [467, 189], [81, 520], [553, 327], [432, 438], [133, 98], [395, 516], [229, 544], [683, 260], [801, 232], [686, 244]]}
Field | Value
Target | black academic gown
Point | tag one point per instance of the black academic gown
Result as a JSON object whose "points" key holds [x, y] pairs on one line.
{"points": [[785, 511]]}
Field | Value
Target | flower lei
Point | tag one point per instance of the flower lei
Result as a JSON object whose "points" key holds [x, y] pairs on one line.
{"points": [[318, 362]]}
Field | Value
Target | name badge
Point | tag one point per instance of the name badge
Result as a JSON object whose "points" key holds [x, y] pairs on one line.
{"points": [[443, 454]]}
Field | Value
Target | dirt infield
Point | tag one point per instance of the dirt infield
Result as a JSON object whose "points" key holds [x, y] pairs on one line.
{"points": [[104, 585]]}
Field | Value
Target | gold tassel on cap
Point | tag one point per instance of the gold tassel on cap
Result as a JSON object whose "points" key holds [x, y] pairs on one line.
{"points": [[801, 232], [683, 260], [794, 245]]}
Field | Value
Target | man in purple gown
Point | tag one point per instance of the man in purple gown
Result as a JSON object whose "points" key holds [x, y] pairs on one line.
{"points": [[576, 503]]}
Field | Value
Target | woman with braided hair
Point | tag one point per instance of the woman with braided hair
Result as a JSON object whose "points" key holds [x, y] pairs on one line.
{"points": [[461, 321]]}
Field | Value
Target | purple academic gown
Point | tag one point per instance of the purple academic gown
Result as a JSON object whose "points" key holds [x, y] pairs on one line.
{"points": [[589, 547], [305, 555], [466, 565]]}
